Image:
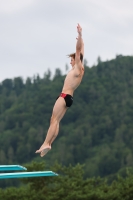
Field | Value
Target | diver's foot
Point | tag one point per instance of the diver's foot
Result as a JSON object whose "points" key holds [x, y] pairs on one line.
{"points": [[43, 150]]}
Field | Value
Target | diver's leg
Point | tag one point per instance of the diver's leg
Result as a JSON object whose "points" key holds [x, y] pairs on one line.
{"points": [[58, 113]]}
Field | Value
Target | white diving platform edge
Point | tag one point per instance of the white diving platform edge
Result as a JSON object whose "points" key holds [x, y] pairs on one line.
{"points": [[27, 174], [11, 167]]}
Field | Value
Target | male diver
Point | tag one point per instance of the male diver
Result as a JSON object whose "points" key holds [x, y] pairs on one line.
{"points": [[65, 99]]}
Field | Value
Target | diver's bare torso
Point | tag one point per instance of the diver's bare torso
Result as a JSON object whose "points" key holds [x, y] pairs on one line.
{"points": [[73, 79]]}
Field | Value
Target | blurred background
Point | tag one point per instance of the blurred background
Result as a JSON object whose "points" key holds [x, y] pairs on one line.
{"points": [[36, 35]]}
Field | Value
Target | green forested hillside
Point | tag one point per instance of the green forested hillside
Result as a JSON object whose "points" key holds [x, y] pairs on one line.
{"points": [[69, 185], [97, 130]]}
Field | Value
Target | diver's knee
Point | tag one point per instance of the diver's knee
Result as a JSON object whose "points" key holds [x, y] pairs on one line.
{"points": [[53, 119]]}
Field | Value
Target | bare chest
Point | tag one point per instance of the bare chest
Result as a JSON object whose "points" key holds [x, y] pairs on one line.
{"points": [[73, 79]]}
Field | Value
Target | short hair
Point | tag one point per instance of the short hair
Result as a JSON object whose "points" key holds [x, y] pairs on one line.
{"points": [[72, 55]]}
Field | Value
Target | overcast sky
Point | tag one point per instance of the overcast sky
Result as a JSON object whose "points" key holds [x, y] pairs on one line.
{"points": [[38, 34]]}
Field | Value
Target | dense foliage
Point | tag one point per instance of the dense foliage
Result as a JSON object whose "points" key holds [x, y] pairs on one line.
{"points": [[97, 130], [69, 185]]}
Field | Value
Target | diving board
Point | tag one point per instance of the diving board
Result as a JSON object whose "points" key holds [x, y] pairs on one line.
{"points": [[11, 167], [27, 174]]}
